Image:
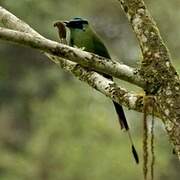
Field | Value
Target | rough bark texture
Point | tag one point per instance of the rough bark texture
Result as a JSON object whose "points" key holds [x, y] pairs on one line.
{"points": [[157, 76], [25, 35], [160, 76], [79, 56]]}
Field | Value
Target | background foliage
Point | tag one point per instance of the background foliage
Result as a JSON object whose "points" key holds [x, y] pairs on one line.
{"points": [[54, 127]]}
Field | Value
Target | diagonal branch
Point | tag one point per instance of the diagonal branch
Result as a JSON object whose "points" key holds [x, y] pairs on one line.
{"points": [[156, 65], [86, 59], [29, 37], [161, 78]]}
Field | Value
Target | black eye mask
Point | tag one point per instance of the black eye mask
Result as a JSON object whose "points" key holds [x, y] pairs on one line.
{"points": [[76, 23]]}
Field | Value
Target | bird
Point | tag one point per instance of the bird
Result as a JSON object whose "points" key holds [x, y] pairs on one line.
{"points": [[83, 36]]}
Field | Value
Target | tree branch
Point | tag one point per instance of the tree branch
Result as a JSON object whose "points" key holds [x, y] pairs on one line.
{"points": [[161, 78], [29, 37], [156, 65], [86, 59]]}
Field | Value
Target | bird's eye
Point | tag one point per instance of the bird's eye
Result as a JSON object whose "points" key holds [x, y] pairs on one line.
{"points": [[77, 25]]}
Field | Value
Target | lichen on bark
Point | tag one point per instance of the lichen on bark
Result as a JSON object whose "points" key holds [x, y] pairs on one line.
{"points": [[162, 80]]}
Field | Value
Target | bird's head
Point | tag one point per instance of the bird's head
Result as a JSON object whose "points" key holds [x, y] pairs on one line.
{"points": [[77, 23]]}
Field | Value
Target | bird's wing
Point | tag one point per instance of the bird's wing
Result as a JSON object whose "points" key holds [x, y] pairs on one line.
{"points": [[100, 48]]}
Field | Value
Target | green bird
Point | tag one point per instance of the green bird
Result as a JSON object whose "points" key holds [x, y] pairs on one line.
{"points": [[83, 36]]}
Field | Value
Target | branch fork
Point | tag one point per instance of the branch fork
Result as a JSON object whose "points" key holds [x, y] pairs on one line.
{"points": [[156, 74]]}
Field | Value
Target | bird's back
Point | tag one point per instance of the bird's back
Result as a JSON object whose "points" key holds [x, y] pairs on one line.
{"points": [[88, 40]]}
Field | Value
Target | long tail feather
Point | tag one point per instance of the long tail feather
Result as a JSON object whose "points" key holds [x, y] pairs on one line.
{"points": [[124, 125], [121, 116], [135, 154]]}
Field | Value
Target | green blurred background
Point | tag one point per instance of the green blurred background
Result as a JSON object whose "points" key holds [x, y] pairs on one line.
{"points": [[54, 127]]}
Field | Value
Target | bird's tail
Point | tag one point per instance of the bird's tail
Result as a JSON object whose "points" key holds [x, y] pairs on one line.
{"points": [[124, 125]]}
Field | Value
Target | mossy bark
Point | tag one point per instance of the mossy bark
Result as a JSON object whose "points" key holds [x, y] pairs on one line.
{"points": [[162, 80]]}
